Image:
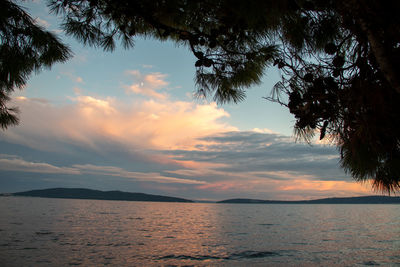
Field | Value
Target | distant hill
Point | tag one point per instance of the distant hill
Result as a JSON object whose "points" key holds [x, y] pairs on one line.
{"points": [[81, 193], [339, 200]]}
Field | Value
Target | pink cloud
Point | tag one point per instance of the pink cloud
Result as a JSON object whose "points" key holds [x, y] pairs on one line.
{"points": [[148, 84], [147, 124]]}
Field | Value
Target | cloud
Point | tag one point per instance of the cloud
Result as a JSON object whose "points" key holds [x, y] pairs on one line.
{"points": [[42, 22], [73, 77], [297, 189], [147, 177], [147, 84], [261, 162], [57, 31], [91, 121], [266, 154], [88, 103], [15, 163]]}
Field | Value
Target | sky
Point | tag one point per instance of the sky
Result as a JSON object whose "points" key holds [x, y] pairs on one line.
{"points": [[127, 120]]}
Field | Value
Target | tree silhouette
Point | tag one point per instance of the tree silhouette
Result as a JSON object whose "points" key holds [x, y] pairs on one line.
{"points": [[25, 47]]}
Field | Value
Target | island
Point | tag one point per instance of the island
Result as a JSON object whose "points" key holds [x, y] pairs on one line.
{"points": [[82, 193], [335, 200]]}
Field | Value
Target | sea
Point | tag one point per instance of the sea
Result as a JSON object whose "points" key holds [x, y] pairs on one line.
{"points": [[71, 232]]}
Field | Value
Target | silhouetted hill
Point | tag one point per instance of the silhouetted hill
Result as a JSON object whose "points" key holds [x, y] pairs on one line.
{"points": [[81, 193], [339, 200]]}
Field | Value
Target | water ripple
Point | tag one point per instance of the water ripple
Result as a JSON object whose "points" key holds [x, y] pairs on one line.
{"points": [[44, 233], [247, 254], [188, 257], [371, 263]]}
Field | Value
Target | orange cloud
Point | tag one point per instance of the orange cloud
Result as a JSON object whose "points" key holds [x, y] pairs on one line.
{"points": [[296, 189], [147, 124], [91, 104], [317, 185]]}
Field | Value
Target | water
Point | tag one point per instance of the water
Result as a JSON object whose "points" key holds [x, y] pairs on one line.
{"points": [[66, 232]]}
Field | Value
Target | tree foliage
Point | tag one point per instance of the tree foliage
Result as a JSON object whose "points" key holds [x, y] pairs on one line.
{"points": [[338, 59], [25, 47]]}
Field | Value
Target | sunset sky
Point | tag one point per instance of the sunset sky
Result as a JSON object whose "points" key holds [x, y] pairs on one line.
{"points": [[127, 120]]}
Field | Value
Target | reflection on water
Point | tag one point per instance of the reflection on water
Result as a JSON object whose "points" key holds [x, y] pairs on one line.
{"points": [[62, 232]]}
